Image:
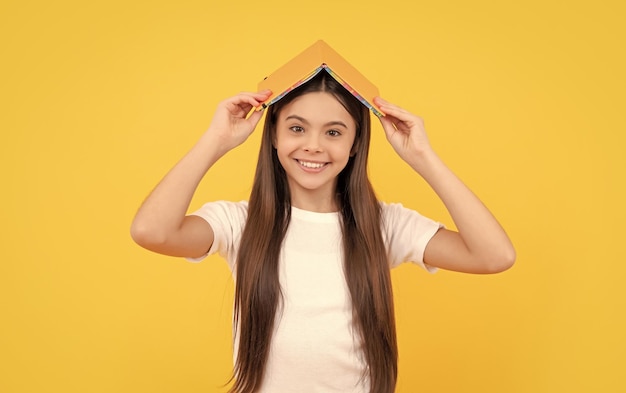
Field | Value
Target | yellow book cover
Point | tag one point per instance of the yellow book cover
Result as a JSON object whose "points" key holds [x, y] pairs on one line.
{"points": [[319, 57]]}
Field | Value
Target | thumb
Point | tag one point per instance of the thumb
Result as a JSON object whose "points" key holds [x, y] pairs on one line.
{"points": [[388, 126], [255, 116]]}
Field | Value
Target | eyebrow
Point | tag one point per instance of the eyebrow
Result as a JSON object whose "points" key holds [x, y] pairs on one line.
{"points": [[305, 121]]}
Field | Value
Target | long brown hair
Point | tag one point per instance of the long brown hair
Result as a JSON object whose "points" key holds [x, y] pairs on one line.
{"points": [[258, 294]]}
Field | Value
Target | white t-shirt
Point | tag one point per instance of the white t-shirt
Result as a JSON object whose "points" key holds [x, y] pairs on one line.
{"points": [[314, 347]]}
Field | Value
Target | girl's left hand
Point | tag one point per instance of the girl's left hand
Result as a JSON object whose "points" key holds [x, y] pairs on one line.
{"points": [[404, 130]]}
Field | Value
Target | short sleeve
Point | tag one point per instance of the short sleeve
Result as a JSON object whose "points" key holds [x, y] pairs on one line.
{"points": [[406, 234], [227, 219]]}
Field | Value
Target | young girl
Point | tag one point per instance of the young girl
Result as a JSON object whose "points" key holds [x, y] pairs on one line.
{"points": [[312, 249]]}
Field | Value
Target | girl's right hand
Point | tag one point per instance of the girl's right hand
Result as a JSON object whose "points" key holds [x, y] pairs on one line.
{"points": [[161, 224], [231, 124]]}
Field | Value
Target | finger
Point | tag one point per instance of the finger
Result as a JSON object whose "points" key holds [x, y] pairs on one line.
{"points": [[389, 107], [246, 108], [404, 118], [237, 107], [245, 101], [382, 102], [396, 111], [259, 97]]}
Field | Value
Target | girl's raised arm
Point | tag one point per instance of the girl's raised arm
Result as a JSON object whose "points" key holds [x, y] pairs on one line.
{"points": [[481, 244], [161, 223]]}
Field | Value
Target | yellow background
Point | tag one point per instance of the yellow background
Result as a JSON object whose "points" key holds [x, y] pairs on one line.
{"points": [[524, 100]]}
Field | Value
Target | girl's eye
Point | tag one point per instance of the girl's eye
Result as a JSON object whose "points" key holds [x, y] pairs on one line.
{"points": [[296, 129], [333, 133]]}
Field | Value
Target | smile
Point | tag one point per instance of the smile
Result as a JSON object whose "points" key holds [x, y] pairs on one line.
{"points": [[311, 165]]}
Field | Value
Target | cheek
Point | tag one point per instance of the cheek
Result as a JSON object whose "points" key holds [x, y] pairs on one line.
{"points": [[349, 148], [283, 146], [283, 151]]}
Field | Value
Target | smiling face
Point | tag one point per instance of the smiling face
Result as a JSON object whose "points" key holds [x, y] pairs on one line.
{"points": [[314, 139]]}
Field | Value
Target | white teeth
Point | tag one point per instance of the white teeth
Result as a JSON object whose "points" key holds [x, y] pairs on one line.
{"points": [[312, 165]]}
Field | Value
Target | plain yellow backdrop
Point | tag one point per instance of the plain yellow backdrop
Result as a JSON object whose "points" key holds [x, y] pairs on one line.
{"points": [[524, 100]]}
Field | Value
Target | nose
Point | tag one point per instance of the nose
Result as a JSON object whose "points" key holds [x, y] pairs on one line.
{"points": [[312, 143]]}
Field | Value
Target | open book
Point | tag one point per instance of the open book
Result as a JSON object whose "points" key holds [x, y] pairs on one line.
{"points": [[319, 57]]}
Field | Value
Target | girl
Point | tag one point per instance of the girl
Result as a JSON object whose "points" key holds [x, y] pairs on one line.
{"points": [[313, 247]]}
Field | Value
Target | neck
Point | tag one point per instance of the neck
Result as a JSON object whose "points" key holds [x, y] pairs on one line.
{"points": [[315, 203]]}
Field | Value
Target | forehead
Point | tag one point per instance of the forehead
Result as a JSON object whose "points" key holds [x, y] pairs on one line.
{"points": [[317, 107]]}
